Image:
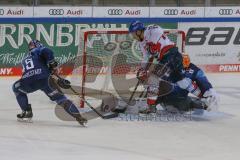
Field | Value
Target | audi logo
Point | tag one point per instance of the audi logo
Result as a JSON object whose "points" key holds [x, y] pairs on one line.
{"points": [[56, 11], [225, 11], [115, 12], [170, 12], [1, 11]]}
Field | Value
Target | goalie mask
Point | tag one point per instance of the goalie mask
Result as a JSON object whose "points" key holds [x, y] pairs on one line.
{"points": [[186, 60]]}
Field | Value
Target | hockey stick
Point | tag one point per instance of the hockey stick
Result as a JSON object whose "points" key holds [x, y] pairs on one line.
{"points": [[122, 110], [113, 115], [90, 106]]}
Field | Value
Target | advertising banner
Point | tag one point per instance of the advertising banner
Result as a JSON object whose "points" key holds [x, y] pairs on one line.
{"points": [[223, 11], [113, 11], [121, 12], [62, 38], [181, 12], [213, 33], [13, 12], [58, 11], [213, 44]]}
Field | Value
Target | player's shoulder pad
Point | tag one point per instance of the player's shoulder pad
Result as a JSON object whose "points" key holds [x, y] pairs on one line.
{"points": [[194, 67], [153, 33], [46, 50]]}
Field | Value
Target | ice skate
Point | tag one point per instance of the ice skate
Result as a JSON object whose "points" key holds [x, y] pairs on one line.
{"points": [[25, 116], [82, 121], [149, 109]]}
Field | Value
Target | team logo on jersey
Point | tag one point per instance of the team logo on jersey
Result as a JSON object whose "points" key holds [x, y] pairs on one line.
{"points": [[115, 12], [56, 11], [154, 48], [1, 11], [225, 11], [170, 12]]}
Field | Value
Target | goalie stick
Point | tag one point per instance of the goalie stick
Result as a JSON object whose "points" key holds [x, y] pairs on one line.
{"points": [[68, 86]]}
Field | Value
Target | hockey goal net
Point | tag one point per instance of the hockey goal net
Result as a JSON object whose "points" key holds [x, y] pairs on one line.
{"points": [[109, 61]]}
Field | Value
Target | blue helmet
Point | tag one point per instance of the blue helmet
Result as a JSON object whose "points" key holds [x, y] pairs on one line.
{"points": [[135, 26], [34, 44]]}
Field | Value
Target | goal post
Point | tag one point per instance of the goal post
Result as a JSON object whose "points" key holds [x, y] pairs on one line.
{"points": [[98, 49]]}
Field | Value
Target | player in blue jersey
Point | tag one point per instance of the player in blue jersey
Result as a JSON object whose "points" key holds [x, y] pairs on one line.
{"points": [[204, 97], [38, 66]]}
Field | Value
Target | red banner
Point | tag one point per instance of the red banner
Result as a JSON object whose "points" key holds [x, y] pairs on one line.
{"points": [[213, 68]]}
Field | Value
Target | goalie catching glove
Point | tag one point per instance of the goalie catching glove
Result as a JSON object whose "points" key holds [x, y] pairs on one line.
{"points": [[211, 99]]}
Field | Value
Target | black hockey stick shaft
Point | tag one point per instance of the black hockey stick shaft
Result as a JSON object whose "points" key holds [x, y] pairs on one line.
{"points": [[146, 68], [88, 104], [130, 99], [122, 110]]}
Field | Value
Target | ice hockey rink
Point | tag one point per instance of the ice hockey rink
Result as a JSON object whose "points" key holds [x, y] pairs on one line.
{"points": [[214, 136]]}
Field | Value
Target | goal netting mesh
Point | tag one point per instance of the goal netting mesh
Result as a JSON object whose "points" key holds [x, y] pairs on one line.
{"points": [[108, 60]]}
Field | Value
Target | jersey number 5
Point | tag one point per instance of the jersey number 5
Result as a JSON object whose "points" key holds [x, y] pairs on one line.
{"points": [[28, 64]]}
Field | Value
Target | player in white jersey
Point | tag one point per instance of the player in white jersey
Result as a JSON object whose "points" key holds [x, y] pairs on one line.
{"points": [[154, 44]]}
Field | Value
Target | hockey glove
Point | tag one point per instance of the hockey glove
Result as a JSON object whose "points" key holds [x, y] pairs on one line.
{"points": [[142, 75], [64, 83], [52, 65]]}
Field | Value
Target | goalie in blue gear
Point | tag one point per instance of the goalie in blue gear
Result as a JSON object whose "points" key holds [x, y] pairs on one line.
{"points": [[38, 66], [205, 97]]}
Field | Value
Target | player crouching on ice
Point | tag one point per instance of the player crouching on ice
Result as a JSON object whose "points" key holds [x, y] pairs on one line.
{"points": [[205, 96], [38, 66], [154, 44]]}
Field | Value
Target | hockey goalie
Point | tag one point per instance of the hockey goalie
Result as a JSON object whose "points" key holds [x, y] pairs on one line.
{"points": [[173, 77]]}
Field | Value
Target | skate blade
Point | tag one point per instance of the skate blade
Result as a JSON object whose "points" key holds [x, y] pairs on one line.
{"points": [[25, 120], [84, 124]]}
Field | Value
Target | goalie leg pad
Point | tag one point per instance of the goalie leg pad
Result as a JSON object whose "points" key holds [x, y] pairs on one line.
{"points": [[109, 104], [186, 83]]}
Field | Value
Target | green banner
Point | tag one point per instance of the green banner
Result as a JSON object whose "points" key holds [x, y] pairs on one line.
{"points": [[63, 38]]}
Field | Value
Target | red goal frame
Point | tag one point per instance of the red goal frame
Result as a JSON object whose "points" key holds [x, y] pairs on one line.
{"points": [[86, 33]]}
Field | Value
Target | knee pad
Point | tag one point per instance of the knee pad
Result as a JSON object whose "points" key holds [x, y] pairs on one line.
{"points": [[16, 88], [56, 96]]}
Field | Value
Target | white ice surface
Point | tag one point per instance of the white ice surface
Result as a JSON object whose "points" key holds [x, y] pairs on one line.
{"points": [[48, 138]]}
